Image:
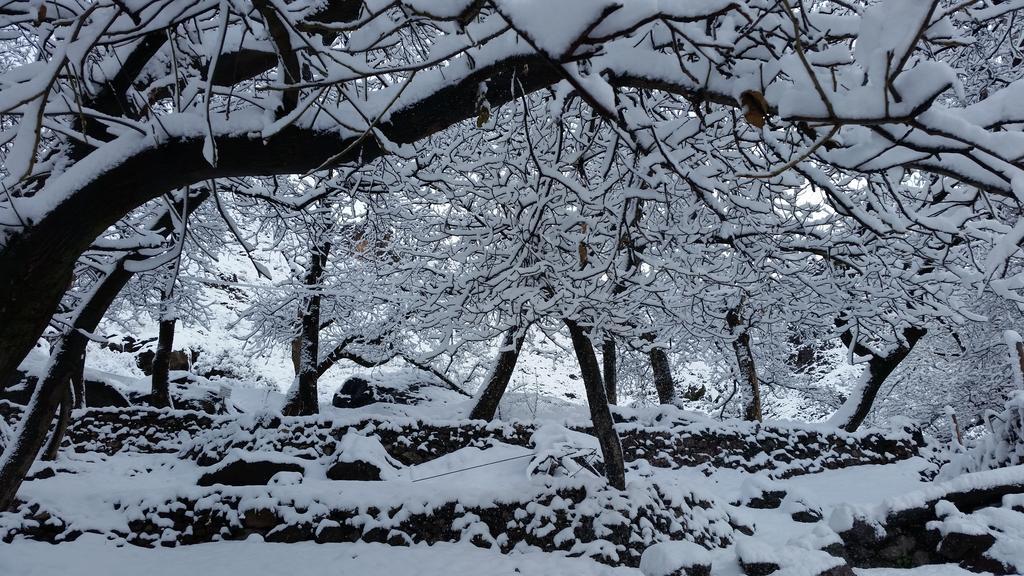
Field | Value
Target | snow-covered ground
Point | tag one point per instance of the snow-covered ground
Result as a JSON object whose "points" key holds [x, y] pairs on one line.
{"points": [[87, 495], [91, 555]]}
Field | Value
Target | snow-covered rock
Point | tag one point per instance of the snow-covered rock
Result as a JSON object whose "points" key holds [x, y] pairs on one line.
{"points": [[679, 558]]}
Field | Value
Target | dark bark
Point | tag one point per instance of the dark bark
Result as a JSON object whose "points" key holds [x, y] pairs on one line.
{"points": [[600, 414], [160, 394], [609, 362], [487, 405], [36, 264], [67, 364], [303, 400], [855, 409], [297, 352], [745, 365], [78, 381], [63, 419], [662, 371], [35, 423]]}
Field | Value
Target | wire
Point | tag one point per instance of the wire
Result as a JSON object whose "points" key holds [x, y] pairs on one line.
{"points": [[477, 466]]}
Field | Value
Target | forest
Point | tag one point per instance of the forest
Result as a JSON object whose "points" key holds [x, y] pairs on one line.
{"points": [[498, 287]]}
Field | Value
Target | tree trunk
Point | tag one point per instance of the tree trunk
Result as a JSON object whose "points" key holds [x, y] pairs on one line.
{"points": [[297, 350], [745, 365], [78, 381], [303, 399], [662, 371], [63, 419], [37, 263], [858, 405], [600, 414], [30, 435], [487, 405], [160, 395], [67, 362], [611, 375]]}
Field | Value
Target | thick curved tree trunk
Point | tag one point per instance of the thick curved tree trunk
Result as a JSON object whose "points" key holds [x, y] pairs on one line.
{"points": [[36, 264], [160, 393], [303, 399], [30, 434], [662, 371], [851, 415], [600, 414], [487, 403], [609, 361], [66, 363]]}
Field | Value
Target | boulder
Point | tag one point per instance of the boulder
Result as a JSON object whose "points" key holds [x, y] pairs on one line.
{"points": [[240, 468], [355, 392], [103, 395], [356, 470], [176, 360], [801, 509], [947, 521], [361, 458], [959, 546], [97, 394], [127, 343], [680, 558], [762, 493], [190, 393], [399, 388], [760, 559]]}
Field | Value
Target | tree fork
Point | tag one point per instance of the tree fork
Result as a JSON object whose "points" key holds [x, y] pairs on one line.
{"points": [[851, 415], [745, 364]]}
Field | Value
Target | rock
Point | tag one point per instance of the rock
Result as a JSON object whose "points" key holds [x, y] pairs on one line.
{"points": [[761, 493], [759, 568], [245, 469], [680, 558], [767, 500], [332, 531], [956, 546], [840, 570], [97, 394], [400, 388], [42, 474], [806, 516], [286, 479], [801, 510], [18, 389], [357, 470], [354, 393], [103, 395], [176, 360], [126, 343], [187, 393], [260, 519], [759, 559], [361, 458]]}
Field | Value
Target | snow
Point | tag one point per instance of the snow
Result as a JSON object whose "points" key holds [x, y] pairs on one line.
{"points": [[91, 555], [665, 558], [553, 26]]}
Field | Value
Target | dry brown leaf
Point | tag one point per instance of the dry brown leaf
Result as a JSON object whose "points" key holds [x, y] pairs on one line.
{"points": [[755, 108]]}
